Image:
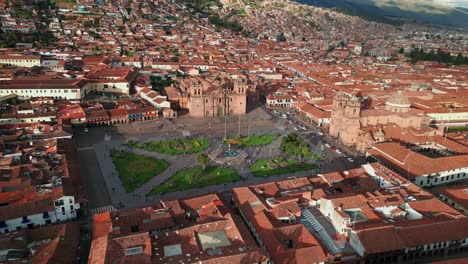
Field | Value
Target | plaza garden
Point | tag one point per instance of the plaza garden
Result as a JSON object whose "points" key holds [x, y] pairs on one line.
{"points": [[195, 178], [253, 141], [172, 147], [270, 167], [293, 144], [135, 170]]}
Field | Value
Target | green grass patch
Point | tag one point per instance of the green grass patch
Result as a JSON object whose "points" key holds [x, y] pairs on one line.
{"points": [[173, 147], [457, 129], [296, 145], [135, 170], [195, 178], [255, 140], [270, 167]]}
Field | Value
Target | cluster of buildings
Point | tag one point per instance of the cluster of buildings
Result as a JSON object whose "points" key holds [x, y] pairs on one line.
{"points": [[41, 194], [110, 63], [368, 214], [193, 230], [91, 113]]}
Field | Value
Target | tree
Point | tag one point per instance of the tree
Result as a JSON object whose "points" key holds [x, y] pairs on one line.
{"points": [[202, 160], [190, 178], [304, 151], [459, 59], [402, 50], [281, 37]]}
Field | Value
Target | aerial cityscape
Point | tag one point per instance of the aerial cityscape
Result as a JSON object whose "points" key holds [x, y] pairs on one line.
{"points": [[233, 131]]}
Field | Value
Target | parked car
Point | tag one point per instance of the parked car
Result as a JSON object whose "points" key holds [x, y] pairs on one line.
{"points": [[350, 159], [320, 133], [296, 129], [284, 116], [86, 130], [327, 145], [303, 128], [338, 151], [275, 112]]}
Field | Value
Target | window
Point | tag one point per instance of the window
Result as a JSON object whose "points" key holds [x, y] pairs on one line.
{"points": [[71, 207], [106, 86], [133, 251], [58, 202]]}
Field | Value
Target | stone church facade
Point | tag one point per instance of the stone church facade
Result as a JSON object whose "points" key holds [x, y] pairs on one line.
{"points": [[361, 128], [214, 98]]}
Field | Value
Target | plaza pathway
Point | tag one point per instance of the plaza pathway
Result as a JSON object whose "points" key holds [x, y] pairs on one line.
{"points": [[120, 197]]}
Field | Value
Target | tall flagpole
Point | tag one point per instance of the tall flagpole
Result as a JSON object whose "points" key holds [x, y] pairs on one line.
{"points": [[238, 133], [225, 128]]}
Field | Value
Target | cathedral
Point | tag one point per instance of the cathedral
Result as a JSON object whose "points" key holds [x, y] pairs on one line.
{"points": [[393, 120], [214, 98]]}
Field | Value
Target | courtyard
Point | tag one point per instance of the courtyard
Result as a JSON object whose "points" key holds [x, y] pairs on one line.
{"points": [[195, 178], [135, 170], [270, 167], [176, 146], [160, 157]]}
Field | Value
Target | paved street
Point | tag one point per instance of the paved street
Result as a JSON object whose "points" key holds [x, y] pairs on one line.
{"points": [[102, 180]]}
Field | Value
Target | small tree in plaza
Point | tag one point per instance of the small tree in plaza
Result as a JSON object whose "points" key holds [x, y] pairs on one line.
{"points": [[202, 160]]}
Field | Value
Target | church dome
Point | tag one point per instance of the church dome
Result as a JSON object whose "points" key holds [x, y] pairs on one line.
{"points": [[398, 100]]}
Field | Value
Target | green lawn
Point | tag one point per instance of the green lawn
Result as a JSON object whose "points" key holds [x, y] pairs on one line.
{"points": [[296, 145], [457, 129], [173, 147], [195, 178], [270, 167], [255, 140], [135, 170]]}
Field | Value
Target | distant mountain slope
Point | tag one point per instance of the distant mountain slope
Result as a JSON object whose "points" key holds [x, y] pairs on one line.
{"points": [[425, 11]]}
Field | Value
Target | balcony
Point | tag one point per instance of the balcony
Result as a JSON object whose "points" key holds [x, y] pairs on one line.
{"points": [[45, 215]]}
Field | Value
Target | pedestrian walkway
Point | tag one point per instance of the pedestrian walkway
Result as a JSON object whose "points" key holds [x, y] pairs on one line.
{"points": [[104, 208], [313, 224], [85, 148]]}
